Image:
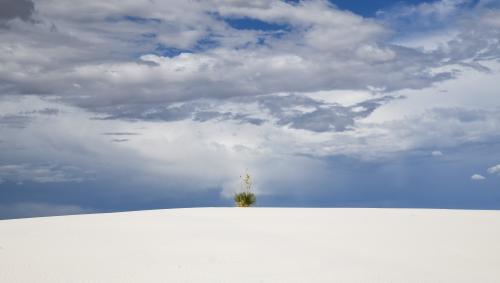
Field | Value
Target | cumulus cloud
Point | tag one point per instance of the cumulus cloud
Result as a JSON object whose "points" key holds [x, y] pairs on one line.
{"points": [[175, 95], [477, 177], [176, 152], [314, 52], [494, 169]]}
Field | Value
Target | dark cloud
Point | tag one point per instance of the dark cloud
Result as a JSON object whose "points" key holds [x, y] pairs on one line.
{"points": [[323, 120], [15, 121], [120, 134], [323, 117], [33, 209], [462, 115], [23, 118], [42, 173], [45, 111], [203, 116], [147, 112], [119, 140], [49, 111], [280, 109], [11, 9]]}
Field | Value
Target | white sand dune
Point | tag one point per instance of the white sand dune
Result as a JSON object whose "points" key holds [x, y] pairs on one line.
{"points": [[254, 245]]}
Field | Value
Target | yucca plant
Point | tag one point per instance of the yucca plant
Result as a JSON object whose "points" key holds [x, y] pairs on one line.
{"points": [[245, 198]]}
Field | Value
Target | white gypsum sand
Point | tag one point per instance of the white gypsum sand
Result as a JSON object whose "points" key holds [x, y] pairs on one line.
{"points": [[254, 245]]}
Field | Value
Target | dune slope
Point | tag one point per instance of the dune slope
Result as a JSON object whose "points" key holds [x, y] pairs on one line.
{"points": [[254, 245]]}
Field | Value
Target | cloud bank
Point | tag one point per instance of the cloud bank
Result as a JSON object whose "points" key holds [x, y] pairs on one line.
{"points": [[178, 97]]}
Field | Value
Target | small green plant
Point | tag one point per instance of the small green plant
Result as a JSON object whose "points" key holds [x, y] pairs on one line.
{"points": [[245, 198]]}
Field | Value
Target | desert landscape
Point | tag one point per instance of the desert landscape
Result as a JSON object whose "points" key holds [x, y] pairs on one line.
{"points": [[250, 141], [254, 245]]}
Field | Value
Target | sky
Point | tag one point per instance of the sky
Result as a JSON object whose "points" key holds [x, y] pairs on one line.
{"points": [[143, 104]]}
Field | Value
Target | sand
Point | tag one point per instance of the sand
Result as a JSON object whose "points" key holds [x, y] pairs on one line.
{"points": [[254, 245]]}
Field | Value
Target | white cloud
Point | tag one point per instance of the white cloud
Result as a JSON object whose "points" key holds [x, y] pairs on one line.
{"points": [[456, 93], [177, 152], [375, 54], [494, 169], [324, 49], [477, 177], [326, 83], [436, 153]]}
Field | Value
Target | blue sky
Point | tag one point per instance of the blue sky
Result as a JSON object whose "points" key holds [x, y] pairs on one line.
{"points": [[139, 105], [370, 8]]}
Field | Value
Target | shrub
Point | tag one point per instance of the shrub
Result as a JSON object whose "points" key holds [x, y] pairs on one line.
{"points": [[245, 198]]}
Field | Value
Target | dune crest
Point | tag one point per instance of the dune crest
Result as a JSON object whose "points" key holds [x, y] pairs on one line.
{"points": [[254, 245]]}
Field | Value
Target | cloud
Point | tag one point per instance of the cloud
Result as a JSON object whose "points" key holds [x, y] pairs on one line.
{"points": [[176, 152], [11, 9], [45, 111], [119, 140], [460, 32], [494, 169], [145, 94], [20, 173], [436, 153], [477, 177], [298, 111], [425, 15], [319, 51], [15, 121], [22, 119], [120, 134], [37, 209]]}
